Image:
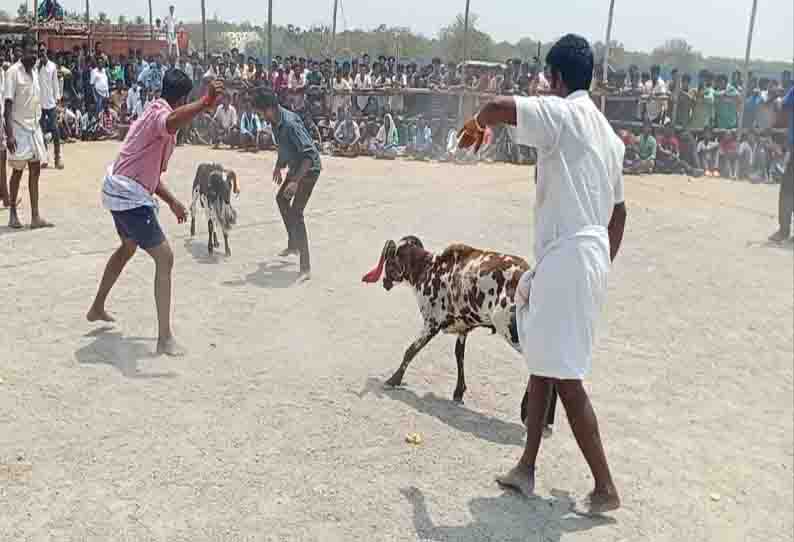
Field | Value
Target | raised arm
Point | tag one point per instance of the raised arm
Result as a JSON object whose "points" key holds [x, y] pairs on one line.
{"points": [[183, 116]]}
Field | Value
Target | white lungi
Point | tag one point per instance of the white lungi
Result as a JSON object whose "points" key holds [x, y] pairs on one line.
{"points": [[556, 328], [579, 181], [30, 147]]}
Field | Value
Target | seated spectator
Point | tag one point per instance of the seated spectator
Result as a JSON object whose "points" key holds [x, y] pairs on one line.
{"points": [[250, 126], [107, 123], [135, 101], [728, 157], [670, 155], [224, 128], [347, 136], [421, 146], [746, 155], [385, 143], [707, 152], [646, 152]]}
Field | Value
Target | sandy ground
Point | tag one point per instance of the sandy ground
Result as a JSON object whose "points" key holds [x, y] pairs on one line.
{"points": [[276, 426]]}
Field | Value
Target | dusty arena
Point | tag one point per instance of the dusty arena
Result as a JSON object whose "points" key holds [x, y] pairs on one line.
{"points": [[276, 425]]}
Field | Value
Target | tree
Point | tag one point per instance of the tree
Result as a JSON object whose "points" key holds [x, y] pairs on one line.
{"points": [[677, 53], [22, 11], [102, 18], [617, 53], [451, 38], [140, 20], [122, 20], [4, 15], [527, 49]]}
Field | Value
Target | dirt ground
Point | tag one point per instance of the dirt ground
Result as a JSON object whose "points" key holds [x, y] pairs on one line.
{"points": [[276, 427]]}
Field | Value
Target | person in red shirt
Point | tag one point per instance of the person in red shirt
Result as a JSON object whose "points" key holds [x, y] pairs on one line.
{"points": [[728, 157], [668, 155]]}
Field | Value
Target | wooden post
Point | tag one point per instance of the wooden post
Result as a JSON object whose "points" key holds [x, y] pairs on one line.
{"points": [[204, 29], [676, 98], [747, 66]]}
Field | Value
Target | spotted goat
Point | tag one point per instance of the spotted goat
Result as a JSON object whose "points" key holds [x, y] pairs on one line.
{"points": [[212, 190], [458, 291]]}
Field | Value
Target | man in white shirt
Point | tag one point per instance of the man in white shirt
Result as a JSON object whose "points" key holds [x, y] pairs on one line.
{"points": [[22, 98], [101, 85], [170, 33], [50, 96], [134, 104], [579, 220], [224, 124]]}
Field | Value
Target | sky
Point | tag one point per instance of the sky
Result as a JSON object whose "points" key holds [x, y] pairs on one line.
{"points": [[714, 28]]}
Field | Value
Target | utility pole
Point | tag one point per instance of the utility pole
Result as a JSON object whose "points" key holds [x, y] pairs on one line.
{"points": [[269, 34], [333, 43], [747, 67], [605, 74], [151, 24], [466, 33], [204, 29]]}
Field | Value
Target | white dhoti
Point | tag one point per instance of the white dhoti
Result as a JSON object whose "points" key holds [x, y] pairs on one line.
{"points": [[29, 147], [567, 290]]}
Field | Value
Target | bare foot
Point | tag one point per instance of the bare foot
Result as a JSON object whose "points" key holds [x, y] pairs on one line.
{"points": [[169, 347], [305, 276], [99, 315], [598, 503], [287, 252], [521, 478], [40, 223]]}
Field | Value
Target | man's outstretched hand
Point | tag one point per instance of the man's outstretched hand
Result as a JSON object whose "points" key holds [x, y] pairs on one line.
{"points": [[471, 135]]}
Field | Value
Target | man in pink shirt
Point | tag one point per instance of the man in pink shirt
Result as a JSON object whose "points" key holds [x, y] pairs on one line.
{"points": [[128, 193]]}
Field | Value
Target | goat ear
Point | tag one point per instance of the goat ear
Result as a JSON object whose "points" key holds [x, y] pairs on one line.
{"points": [[374, 275]]}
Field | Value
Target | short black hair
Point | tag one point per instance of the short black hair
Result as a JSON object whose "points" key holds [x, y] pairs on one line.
{"points": [[264, 99], [176, 85], [572, 58]]}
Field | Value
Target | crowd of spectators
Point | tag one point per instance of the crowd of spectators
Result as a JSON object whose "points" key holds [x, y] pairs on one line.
{"points": [[360, 107]]}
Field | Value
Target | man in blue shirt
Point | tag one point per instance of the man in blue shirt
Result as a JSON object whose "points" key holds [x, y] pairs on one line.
{"points": [[296, 151], [786, 201]]}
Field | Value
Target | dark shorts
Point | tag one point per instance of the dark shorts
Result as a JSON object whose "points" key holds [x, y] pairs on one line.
{"points": [[49, 121], [140, 225]]}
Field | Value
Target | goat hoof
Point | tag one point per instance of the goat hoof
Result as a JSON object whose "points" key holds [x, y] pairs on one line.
{"points": [[228, 252], [394, 382], [458, 400]]}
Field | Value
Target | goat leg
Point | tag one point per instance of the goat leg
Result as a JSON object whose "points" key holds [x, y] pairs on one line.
{"points": [[460, 387], [226, 243], [210, 245], [410, 354]]}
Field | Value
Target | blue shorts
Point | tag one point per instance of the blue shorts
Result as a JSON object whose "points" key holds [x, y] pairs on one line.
{"points": [[140, 225]]}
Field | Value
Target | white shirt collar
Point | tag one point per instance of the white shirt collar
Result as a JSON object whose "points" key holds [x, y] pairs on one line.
{"points": [[578, 95]]}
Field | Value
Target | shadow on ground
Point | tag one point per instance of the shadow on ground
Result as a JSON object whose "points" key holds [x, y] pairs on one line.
{"points": [[112, 348], [197, 247], [276, 274], [507, 517], [452, 414]]}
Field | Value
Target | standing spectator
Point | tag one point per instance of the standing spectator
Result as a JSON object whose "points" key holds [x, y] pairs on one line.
{"points": [[170, 33], [134, 103], [151, 78], [22, 95], [3, 154], [727, 103], [341, 89], [685, 102], [786, 199], [703, 107], [50, 96], [658, 84], [250, 126], [297, 151], [100, 84], [752, 106]]}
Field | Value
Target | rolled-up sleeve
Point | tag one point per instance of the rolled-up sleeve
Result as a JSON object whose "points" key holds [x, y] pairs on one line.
{"points": [[538, 121]]}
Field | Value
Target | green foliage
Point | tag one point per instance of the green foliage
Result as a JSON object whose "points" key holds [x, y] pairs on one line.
{"points": [[22, 11]]}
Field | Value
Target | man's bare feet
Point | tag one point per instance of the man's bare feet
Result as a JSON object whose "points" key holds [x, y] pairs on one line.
{"points": [[98, 315], [521, 478], [169, 347], [598, 503], [40, 223]]}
